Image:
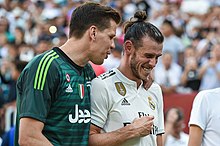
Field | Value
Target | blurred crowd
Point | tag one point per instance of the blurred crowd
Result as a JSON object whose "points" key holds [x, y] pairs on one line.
{"points": [[191, 53]]}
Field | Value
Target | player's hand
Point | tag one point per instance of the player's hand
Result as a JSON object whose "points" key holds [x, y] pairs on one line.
{"points": [[143, 125]]}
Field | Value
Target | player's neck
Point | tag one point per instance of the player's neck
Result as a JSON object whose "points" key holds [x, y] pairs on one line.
{"points": [[76, 51], [126, 71]]}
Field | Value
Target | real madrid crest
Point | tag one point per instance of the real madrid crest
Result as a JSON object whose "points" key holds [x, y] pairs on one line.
{"points": [[151, 103], [120, 88]]}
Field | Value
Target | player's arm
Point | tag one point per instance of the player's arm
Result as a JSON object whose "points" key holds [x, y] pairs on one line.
{"points": [[159, 140], [30, 133], [139, 128], [31, 115], [195, 135]]}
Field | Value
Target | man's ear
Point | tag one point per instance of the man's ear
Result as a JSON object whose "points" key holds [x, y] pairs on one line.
{"points": [[93, 32], [128, 47]]}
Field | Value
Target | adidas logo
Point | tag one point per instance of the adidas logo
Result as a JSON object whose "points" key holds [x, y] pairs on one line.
{"points": [[69, 89], [125, 102]]}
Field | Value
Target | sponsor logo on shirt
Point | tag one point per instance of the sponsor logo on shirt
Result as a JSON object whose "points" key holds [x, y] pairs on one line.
{"points": [[69, 89], [125, 102], [120, 88], [154, 130], [80, 116]]}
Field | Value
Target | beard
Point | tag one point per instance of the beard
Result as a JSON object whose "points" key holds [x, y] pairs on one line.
{"points": [[134, 68]]}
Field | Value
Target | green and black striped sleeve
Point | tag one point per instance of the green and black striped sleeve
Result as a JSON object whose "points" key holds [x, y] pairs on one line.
{"points": [[37, 86]]}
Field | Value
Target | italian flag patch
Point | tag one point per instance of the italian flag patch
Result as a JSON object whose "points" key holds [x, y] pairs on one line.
{"points": [[81, 90]]}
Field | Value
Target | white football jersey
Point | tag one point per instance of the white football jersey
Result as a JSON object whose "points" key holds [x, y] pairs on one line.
{"points": [[206, 114], [116, 101]]}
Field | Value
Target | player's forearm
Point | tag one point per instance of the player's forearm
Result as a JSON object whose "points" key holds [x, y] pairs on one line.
{"points": [[30, 133], [195, 136], [35, 140], [159, 140], [114, 138]]}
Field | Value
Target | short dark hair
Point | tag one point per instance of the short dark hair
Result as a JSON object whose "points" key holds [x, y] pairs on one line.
{"points": [[169, 23], [91, 13], [137, 28]]}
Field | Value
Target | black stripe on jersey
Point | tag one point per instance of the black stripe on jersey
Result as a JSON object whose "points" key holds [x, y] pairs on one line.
{"points": [[107, 74]]}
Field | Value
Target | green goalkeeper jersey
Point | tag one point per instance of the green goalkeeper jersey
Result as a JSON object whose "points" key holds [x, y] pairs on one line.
{"points": [[54, 90]]}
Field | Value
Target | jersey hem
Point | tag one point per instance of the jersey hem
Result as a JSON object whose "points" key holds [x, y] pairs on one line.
{"points": [[161, 133], [96, 125]]}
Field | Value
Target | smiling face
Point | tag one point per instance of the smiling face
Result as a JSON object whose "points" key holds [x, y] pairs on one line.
{"points": [[103, 42], [145, 58]]}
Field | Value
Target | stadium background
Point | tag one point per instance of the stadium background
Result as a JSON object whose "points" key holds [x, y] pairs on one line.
{"points": [[29, 27]]}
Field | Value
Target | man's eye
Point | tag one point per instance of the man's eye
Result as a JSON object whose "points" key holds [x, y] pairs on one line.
{"points": [[112, 37], [148, 56]]}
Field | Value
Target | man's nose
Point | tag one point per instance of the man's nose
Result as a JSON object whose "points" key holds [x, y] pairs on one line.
{"points": [[153, 62], [112, 44]]}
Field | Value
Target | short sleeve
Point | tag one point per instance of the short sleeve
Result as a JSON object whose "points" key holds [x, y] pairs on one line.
{"points": [[199, 111], [99, 102], [36, 89], [159, 108]]}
